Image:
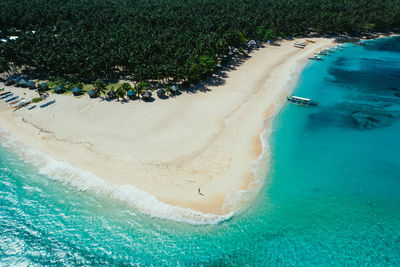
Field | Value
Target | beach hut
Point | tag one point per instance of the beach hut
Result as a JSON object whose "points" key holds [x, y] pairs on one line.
{"points": [[111, 94], [9, 82], [92, 93], [10, 77], [146, 95], [59, 89], [31, 84], [43, 86], [76, 91], [21, 83], [16, 79], [174, 89], [252, 44], [131, 94], [161, 93]]}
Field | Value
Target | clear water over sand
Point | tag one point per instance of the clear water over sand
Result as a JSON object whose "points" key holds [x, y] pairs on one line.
{"points": [[332, 196]]}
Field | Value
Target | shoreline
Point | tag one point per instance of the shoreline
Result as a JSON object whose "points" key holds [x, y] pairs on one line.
{"points": [[214, 149]]}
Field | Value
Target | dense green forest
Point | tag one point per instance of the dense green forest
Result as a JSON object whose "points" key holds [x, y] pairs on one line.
{"points": [[157, 39]]}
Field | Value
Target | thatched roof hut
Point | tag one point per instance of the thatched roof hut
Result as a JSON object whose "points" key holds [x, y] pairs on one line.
{"points": [[92, 93], [131, 93], [76, 91], [146, 95], [9, 82], [21, 83], [59, 89], [31, 84], [43, 86], [161, 93], [10, 77], [16, 79], [112, 94], [174, 88]]}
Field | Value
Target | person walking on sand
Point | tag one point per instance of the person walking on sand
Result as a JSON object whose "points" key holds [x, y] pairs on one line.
{"points": [[198, 191]]}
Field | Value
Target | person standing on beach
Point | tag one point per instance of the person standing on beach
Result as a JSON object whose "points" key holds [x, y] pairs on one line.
{"points": [[198, 190]]}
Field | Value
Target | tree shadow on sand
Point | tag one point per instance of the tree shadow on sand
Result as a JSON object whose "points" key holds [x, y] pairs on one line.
{"points": [[218, 78]]}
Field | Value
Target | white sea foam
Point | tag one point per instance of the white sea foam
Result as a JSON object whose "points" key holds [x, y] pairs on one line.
{"points": [[240, 199], [84, 180], [143, 201]]}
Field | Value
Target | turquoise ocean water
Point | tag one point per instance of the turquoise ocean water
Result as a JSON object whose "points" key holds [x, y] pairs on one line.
{"points": [[331, 198]]}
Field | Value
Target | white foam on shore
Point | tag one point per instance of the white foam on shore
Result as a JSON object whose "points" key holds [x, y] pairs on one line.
{"points": [[84, 180], [145, 202], [239, 200]]}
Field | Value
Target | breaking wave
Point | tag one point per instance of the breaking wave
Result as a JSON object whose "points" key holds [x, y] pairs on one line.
{"points": [[146, 203], [85, 180]]}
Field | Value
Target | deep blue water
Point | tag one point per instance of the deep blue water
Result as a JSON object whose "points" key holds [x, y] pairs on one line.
{"points": [[332, 196]]}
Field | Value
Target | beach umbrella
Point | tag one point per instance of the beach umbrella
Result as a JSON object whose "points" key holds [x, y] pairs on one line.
{"points": [[161, 93], [59, 89], [131, 93], [76, 90], [21, 82], [92, 93], [146, 95]]}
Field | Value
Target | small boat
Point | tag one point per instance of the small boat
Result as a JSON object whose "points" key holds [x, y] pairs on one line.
{"points": [[315, 58], [7, 96], [22, 101], [11, 99], [30, 108], [15, 101], [310, 41], [22, 104], [300, 45], [5, 93], [48, 104], [301, 101]]}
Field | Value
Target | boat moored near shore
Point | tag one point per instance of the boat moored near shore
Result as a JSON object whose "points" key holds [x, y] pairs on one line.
{"points": [[315, 58], [301, 101]]}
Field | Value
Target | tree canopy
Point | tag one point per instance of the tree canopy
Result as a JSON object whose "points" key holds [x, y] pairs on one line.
{"points": [[157, 39]]}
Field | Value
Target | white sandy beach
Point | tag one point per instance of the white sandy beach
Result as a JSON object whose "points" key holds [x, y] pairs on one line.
{"points": [[170, 148]]}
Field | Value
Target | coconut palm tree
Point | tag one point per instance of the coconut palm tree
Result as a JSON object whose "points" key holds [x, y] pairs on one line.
{"points": [[100, 87], [121, 92]]}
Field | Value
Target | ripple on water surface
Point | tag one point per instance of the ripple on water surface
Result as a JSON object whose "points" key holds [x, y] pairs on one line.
{"points": [[332, 196]]}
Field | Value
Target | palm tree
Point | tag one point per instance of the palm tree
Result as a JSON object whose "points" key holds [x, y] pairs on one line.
{"points": [[100, 87], [139, 89], [121, 92], [126, 87]]}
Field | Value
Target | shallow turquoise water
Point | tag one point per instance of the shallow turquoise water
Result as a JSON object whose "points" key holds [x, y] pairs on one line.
{"points": [[332, 196]]}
